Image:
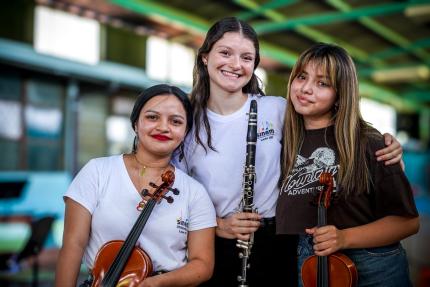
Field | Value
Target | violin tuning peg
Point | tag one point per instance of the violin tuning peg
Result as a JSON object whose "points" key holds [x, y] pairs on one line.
{"points": [[153, 185], [169, 199], [174, 190], [144, 192]]}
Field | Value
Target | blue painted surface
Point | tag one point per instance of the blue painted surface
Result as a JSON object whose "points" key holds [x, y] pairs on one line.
{"points": [[417, 169], [42, 195]]}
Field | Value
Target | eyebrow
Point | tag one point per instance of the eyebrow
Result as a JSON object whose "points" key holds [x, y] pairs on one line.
{"points": [[228, 47], [174, 115], [318, 76]]}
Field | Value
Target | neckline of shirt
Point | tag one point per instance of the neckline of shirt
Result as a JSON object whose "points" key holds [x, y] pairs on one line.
{"points": [[213, 116], [125, 174], [329, 130]]}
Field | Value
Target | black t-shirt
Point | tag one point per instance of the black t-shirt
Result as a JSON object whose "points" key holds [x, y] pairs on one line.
{"points": [[390, 193]]}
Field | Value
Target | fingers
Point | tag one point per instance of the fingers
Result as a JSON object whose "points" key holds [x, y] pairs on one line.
{"points": [[310, 231], [387, 152], [388, 139], [389, 155], [244, 223], [392, 153], [326, 240], [394, 160], [247, 216]]}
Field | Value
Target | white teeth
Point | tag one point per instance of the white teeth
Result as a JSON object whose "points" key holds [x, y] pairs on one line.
{"points": [[230, 74]]}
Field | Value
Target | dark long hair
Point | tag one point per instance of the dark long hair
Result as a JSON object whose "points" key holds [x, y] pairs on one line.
{"points": [[157, 90], [201, 87]]}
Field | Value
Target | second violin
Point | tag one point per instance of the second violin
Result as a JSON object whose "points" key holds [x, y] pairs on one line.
{"points": [[335, 270]]}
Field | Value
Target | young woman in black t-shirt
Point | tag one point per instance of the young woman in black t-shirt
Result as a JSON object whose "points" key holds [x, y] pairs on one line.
{"points": [[373, 206]]}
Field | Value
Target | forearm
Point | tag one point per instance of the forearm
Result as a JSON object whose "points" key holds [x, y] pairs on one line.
{"points": [[192, 274], [384, 231], [68, 266]]}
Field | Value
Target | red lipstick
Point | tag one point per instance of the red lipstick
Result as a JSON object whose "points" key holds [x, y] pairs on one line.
{"points": [[161, 137]]}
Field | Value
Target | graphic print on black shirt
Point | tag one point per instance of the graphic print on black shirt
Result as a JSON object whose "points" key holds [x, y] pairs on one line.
{"points": [[296, 208], [304, 178]]}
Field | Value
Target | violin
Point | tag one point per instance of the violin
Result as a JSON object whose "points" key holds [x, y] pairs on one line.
{"points": [[334, 270], [122, 263]]}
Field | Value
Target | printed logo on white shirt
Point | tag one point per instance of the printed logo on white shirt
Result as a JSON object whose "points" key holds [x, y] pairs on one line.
{"points": [[182, 224], [265, 131]]}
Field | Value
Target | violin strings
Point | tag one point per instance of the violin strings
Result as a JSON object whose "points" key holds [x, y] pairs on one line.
{"points": [[126, 249]]}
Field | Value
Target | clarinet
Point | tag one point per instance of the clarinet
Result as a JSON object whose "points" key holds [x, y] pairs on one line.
{"points": [[246, 204]]}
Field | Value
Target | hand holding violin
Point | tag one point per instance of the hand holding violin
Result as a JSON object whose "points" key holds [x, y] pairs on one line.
{"points": [[327, 239]]}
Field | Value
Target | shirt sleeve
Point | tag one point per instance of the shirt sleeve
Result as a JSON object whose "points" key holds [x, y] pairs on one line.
{"points": [[201, 209], [84, 187], [393, 192]]}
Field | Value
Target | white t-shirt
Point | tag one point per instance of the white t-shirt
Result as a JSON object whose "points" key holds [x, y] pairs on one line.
{"points": [[221, 171], [105, 189]]}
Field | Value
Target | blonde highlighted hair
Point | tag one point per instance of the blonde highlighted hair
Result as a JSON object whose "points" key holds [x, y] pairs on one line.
{"points": [[351, 130]]}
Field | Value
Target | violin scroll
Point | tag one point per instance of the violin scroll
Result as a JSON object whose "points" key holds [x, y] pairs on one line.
{"points": [[325, 195], [168, 178]]}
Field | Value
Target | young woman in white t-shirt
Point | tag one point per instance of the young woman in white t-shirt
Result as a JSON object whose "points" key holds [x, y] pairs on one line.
{"points": [[104, 200], [224, 85]]}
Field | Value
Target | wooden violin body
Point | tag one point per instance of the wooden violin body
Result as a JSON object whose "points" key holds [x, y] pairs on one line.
{"points": [[341, 269], [137, 268], [335, 270], [121, 263]]}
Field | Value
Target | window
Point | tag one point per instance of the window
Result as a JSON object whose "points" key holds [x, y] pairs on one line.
{"points": [[167, 61], [31, 124], [65, 35], [381, 116]]}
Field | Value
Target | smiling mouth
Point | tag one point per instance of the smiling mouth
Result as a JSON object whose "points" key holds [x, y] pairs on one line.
{"points": [[230, 74], [304, 100], [161, 137]]}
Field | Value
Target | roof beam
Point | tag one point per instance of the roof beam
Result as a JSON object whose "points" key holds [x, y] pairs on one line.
{"points": [[259, 10], [396, 51], [419, 96], [165, 14], [314, 34], [385, 32], [23, 55], [198, 25], [381, 94], [331, 17]]}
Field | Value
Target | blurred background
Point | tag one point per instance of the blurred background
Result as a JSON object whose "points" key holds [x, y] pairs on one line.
{"points": [[71, 69]]}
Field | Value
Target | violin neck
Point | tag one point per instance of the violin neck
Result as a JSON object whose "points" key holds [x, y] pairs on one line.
{"points": [[322, 271], [115, 270], [322, 216]]}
